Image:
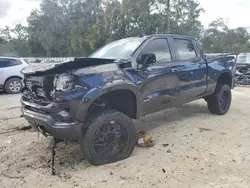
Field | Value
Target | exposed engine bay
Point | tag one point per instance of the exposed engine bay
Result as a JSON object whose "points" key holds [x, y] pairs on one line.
{"points": [[41, 82], [45, 86], [242, 75]]}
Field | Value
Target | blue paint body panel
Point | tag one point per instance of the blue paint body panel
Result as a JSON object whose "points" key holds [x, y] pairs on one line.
{"points": [[158, 86]]}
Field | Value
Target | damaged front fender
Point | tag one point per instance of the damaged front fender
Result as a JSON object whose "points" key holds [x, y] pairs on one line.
{"points": [[96, 93]]}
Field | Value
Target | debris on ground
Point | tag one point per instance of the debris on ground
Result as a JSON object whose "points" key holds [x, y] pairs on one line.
{"points": [[144, 139], [169, 151], [25, 128], [12, 177], [165, 145], [204, 129], [9, 118]]}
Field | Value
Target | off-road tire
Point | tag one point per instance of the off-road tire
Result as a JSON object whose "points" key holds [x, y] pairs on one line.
{"points": [[94, 124], [10, 83], [215, 102]]}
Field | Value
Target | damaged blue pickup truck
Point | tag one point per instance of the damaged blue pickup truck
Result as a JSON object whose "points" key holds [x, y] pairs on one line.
{"points": [[93, 99]]}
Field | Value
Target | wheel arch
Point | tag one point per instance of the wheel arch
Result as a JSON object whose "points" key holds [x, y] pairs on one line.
{"points": [[19, 77], [11, 78], [225, 78], [127, 94]]}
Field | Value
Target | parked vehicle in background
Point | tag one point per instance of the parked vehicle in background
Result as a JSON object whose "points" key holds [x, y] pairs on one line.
{"points": [[243, 65], [242, 79], [242, 76], [10, 74], [94, 99], [37, 61]]}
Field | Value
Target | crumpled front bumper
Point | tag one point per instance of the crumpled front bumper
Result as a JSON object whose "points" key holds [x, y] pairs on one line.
{"points": [[41, 116]]}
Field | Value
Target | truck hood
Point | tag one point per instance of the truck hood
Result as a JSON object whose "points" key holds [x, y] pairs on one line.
{"points": [[54, 68]]}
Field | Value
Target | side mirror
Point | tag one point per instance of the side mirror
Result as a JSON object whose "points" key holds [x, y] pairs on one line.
{"points": [[146, 59]]}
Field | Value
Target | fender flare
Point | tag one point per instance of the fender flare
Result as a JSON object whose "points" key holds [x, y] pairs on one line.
{"points": [[97, 92], [10, 77], [226, 71]]}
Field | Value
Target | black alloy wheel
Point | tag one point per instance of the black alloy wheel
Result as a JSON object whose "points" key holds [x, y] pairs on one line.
{"points": [[220, 102], [110, 137]]}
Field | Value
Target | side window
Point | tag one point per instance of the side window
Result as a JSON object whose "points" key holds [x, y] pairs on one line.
{"points": [[9, 63], [160, 48], [14, 62], [3, 63], [185, 49]]}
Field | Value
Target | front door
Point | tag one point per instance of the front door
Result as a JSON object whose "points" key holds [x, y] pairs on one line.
{"points": [[192, 70], [159, 86]]}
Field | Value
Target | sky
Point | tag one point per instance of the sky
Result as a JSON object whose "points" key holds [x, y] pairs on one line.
{"points": [[236, 12], [13, 12]]}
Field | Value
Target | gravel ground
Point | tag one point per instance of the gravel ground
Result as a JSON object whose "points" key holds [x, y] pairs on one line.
{"points": [[193, 148]]}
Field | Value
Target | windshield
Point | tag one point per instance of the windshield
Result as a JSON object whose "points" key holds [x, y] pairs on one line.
{"points": [[121, 49]]}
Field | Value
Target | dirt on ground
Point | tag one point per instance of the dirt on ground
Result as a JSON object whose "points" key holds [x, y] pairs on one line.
{"points": [[193, 148]]}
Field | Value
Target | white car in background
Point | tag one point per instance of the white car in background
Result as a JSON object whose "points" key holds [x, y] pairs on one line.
{"points": [[10, 74]]}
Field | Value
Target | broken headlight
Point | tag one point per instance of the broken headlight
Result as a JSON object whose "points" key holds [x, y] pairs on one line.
{"points": [[65, 82]]}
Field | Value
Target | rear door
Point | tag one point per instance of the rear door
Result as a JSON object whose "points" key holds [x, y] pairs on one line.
{"points": [[192, 69]]}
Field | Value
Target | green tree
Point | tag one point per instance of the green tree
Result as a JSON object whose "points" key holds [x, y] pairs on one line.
{"points": [[185, 18], [77, 28], [20, 39], [218, 38]]}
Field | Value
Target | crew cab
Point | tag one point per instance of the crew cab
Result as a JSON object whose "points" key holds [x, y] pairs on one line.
{"points": [[93, 99]]}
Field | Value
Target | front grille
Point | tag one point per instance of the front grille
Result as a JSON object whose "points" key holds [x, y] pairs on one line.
{"points": [[38, 89], [36, 110], [31, 97], [41, 93]]}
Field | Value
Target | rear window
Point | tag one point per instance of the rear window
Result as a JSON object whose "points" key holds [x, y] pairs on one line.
{"points": [[227, 60], [9, 63], [185, 49]]}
